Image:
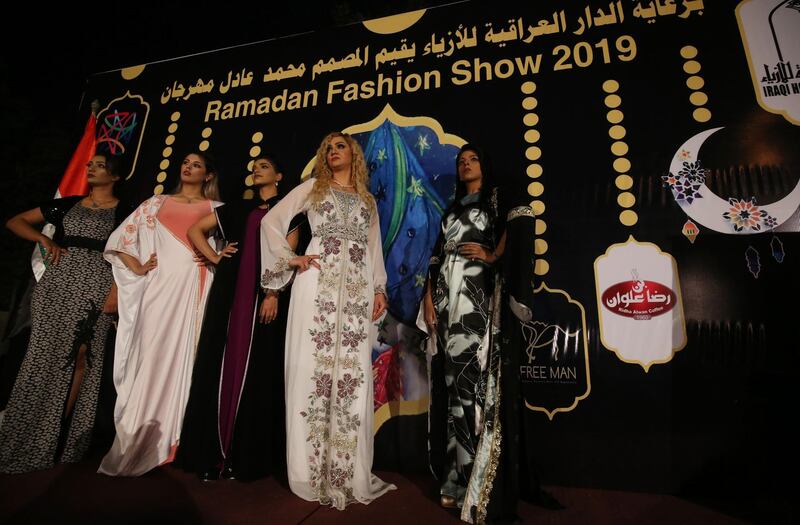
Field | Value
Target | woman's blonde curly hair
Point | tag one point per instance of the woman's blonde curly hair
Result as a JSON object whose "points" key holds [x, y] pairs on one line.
{"points": [[324, 175]]}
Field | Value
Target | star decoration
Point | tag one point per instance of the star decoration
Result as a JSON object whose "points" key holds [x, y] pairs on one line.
{"points": [[422, 144], [416, 187]]}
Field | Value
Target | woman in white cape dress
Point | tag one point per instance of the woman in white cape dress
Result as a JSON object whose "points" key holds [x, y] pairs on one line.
{"points": [[162, 295], [338, 293]]}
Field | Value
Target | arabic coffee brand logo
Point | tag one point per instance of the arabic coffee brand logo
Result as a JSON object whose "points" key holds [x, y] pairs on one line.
{"points": [[639, 299]]}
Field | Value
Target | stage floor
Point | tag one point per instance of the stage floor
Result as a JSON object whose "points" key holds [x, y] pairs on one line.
{"points": [[76, 494]]}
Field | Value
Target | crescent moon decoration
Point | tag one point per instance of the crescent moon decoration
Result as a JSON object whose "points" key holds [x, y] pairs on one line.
{"points": [[687, 178], [395, 23], [129, 73]]}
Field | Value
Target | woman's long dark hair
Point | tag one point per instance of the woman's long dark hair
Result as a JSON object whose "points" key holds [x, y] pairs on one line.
{"points": [[487, 179]]}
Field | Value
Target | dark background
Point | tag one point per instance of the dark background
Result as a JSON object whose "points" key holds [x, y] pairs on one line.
{"points": [[714, 425], [47, 54]]}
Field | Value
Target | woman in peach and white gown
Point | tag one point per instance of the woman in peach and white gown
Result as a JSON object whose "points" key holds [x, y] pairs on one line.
{"points": [[162, 296]]}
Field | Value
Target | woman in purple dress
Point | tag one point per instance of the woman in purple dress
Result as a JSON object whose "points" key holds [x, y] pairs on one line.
{"points": [[234, 419]]}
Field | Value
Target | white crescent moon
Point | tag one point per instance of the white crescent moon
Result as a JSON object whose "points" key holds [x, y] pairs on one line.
{"points": [[708, 210]]}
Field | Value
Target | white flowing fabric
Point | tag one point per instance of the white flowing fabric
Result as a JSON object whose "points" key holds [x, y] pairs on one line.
{"points": [[160, 315], [328, 371]]}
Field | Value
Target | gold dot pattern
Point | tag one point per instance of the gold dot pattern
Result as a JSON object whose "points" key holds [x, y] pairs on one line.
{"points": [[617, 132], [624, 182], [613, 101], [692, 67], [255, 151], [205, 143], [530, 119], [534, 171], [166, 153], [626, 199], [533, 153], [622, 165], [615, 116], [532, 136], [698, 98], [695, 83], [610, 86], [619, 148], [535, 189], [701, 114], [529, 103], [628, 217]]}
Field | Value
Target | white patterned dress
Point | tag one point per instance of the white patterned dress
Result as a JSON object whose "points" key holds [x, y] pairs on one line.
{"points": [[328, 344]]}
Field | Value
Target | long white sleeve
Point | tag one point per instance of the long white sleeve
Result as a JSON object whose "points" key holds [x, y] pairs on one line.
{"points": [[375, 247], [275, 250]]}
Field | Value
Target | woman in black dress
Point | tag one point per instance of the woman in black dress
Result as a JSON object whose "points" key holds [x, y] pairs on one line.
{"points": [[234, 423]]}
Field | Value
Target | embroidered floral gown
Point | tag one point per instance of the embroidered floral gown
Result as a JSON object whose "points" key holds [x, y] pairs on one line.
{"points": [[328, 344]]}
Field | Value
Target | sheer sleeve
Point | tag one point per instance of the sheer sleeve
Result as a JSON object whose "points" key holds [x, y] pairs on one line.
{"points": [[375, 248], [275, 251]]}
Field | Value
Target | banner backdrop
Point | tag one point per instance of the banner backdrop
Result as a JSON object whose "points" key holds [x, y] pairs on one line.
{"points": [[657, 143]]}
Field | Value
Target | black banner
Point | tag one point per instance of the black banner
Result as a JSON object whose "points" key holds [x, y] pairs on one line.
{"points": [[655, 141]]}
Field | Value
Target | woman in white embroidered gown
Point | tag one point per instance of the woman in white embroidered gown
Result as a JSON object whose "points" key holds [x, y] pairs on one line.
{"points": [[162, 295], [338, 292]]}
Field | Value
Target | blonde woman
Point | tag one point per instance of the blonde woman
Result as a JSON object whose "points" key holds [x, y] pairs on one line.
{"points": [[162, 296], [338, 291]]}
